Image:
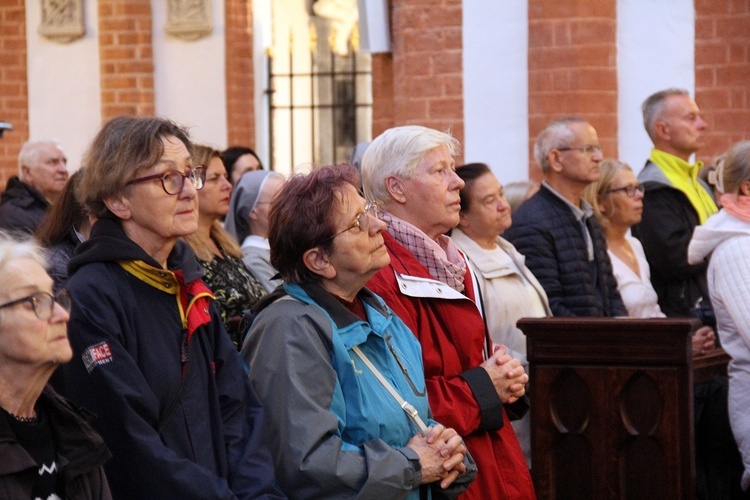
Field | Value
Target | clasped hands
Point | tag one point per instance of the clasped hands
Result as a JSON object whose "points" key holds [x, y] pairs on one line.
{"points": [[441, 454], [507, 374]]}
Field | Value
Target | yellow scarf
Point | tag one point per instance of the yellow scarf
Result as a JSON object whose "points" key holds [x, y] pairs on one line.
{"points": [[684, 177]]}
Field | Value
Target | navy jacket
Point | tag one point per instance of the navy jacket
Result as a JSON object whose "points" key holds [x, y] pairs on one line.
{"points": [[22, 207], [153, 361], [546, 231]]}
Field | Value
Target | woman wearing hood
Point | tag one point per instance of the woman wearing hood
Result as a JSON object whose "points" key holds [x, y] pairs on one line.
{"points": [[247, 221], [725, 238]]}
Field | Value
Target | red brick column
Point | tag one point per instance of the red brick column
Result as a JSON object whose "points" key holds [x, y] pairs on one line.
{"points": [[722, 72], [126, 58], [14, 97], [239, 73], [421, 81], [572, 67]]}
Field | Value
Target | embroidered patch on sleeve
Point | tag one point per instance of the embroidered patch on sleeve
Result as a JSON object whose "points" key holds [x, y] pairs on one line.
{"points": [[96, 355]]}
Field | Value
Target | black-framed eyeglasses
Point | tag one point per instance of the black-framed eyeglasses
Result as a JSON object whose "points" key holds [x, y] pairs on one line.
{"points": [[173, 180], [629, 190], [43, 303], [588, 149], [362, 222]]}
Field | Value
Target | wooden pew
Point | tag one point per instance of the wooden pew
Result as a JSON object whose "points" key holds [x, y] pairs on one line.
{"points": [[612, 406]]}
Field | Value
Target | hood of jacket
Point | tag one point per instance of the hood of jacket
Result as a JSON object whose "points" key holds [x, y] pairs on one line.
{"points": [[717, 229], [109, 243]]}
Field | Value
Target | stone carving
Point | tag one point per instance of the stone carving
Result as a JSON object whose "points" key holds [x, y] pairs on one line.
{"points": [[343, 15], [189, 19], [62, 20]]}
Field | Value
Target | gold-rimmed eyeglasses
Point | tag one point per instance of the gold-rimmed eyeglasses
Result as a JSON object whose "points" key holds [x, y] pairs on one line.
{"points": [[362, 222]]}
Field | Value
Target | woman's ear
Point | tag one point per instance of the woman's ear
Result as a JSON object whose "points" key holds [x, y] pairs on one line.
{"points": [[119, 205], [319, 263], [395, 187], [601, 205]]}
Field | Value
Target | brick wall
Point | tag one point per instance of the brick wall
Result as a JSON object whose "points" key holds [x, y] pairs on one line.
{"points": [[572, 67], [126, 58], [14, 100], [722, 72], [423, 78], [239, 74]]}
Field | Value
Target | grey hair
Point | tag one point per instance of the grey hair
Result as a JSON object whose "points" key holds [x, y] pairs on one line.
{"points": [[398, 151], [16, 246], [653, 107], [736, 167], [557, 134], [29, 154]]}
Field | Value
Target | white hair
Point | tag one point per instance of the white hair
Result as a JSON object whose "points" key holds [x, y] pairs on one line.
{"points": [[398, 151], [29, 154], [557, 134]]}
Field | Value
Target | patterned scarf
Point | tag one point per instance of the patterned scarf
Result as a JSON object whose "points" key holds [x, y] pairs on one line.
{"points": [[736, 205], [442, 259]]}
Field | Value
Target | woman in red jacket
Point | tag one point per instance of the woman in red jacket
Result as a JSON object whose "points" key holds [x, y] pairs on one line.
{"points": [[473, 386]]}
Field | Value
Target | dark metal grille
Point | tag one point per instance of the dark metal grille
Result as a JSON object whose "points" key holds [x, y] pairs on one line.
{"points": [[337, 107]]}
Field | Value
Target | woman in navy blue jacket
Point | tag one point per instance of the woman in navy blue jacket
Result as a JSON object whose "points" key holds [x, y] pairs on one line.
{"points": [[152, 359]]}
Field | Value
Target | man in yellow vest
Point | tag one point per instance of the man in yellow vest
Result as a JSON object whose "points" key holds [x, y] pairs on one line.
{"points": [[676, 201]]}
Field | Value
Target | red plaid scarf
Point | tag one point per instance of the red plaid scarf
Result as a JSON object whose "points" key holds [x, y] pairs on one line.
{"points": [[442, 259]]}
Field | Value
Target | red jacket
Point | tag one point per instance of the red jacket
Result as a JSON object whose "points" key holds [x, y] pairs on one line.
{"points": [[461, 395]]}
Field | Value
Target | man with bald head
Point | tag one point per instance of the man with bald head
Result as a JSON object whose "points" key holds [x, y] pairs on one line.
{"points": [[42, 174]]}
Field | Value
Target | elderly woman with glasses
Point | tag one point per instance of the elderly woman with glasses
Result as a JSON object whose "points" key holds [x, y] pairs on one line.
{"points": [[47, 447], [617, 200], [152, 359], [338, 373]]}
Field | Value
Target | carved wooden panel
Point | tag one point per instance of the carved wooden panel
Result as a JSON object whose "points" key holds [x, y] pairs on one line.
{"points": [[612, 408]]}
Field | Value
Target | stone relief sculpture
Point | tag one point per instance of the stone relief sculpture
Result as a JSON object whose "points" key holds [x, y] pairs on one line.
{"points": [[189, 19], [344, 15], [62, 20]]}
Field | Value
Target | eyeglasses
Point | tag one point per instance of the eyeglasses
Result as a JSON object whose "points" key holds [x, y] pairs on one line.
{"points": [[173, 180], [43, 303], [629, 190], [587, 149], [362, 222]]}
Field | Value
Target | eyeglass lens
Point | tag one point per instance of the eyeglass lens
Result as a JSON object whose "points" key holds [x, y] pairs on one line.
{"points": [[174, 180]]}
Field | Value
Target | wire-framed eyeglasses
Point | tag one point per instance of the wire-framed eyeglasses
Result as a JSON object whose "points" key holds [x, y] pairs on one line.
{"points": [[43, 303], [629, 190], [362, 222], [588, 149], [173, 180]]}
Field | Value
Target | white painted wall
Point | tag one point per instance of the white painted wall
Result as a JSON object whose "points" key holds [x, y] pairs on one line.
{"points": [[262, 42], [495, 60], [189, 78], [655, 50], [63, 84]]}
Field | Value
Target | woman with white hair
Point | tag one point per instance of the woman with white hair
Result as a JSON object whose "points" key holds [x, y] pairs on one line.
{"points": [[247, 221], [725, 240], [473, 386], [48, 449]]}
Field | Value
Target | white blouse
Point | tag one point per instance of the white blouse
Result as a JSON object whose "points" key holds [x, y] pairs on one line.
{"points": [[637, 292]]}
